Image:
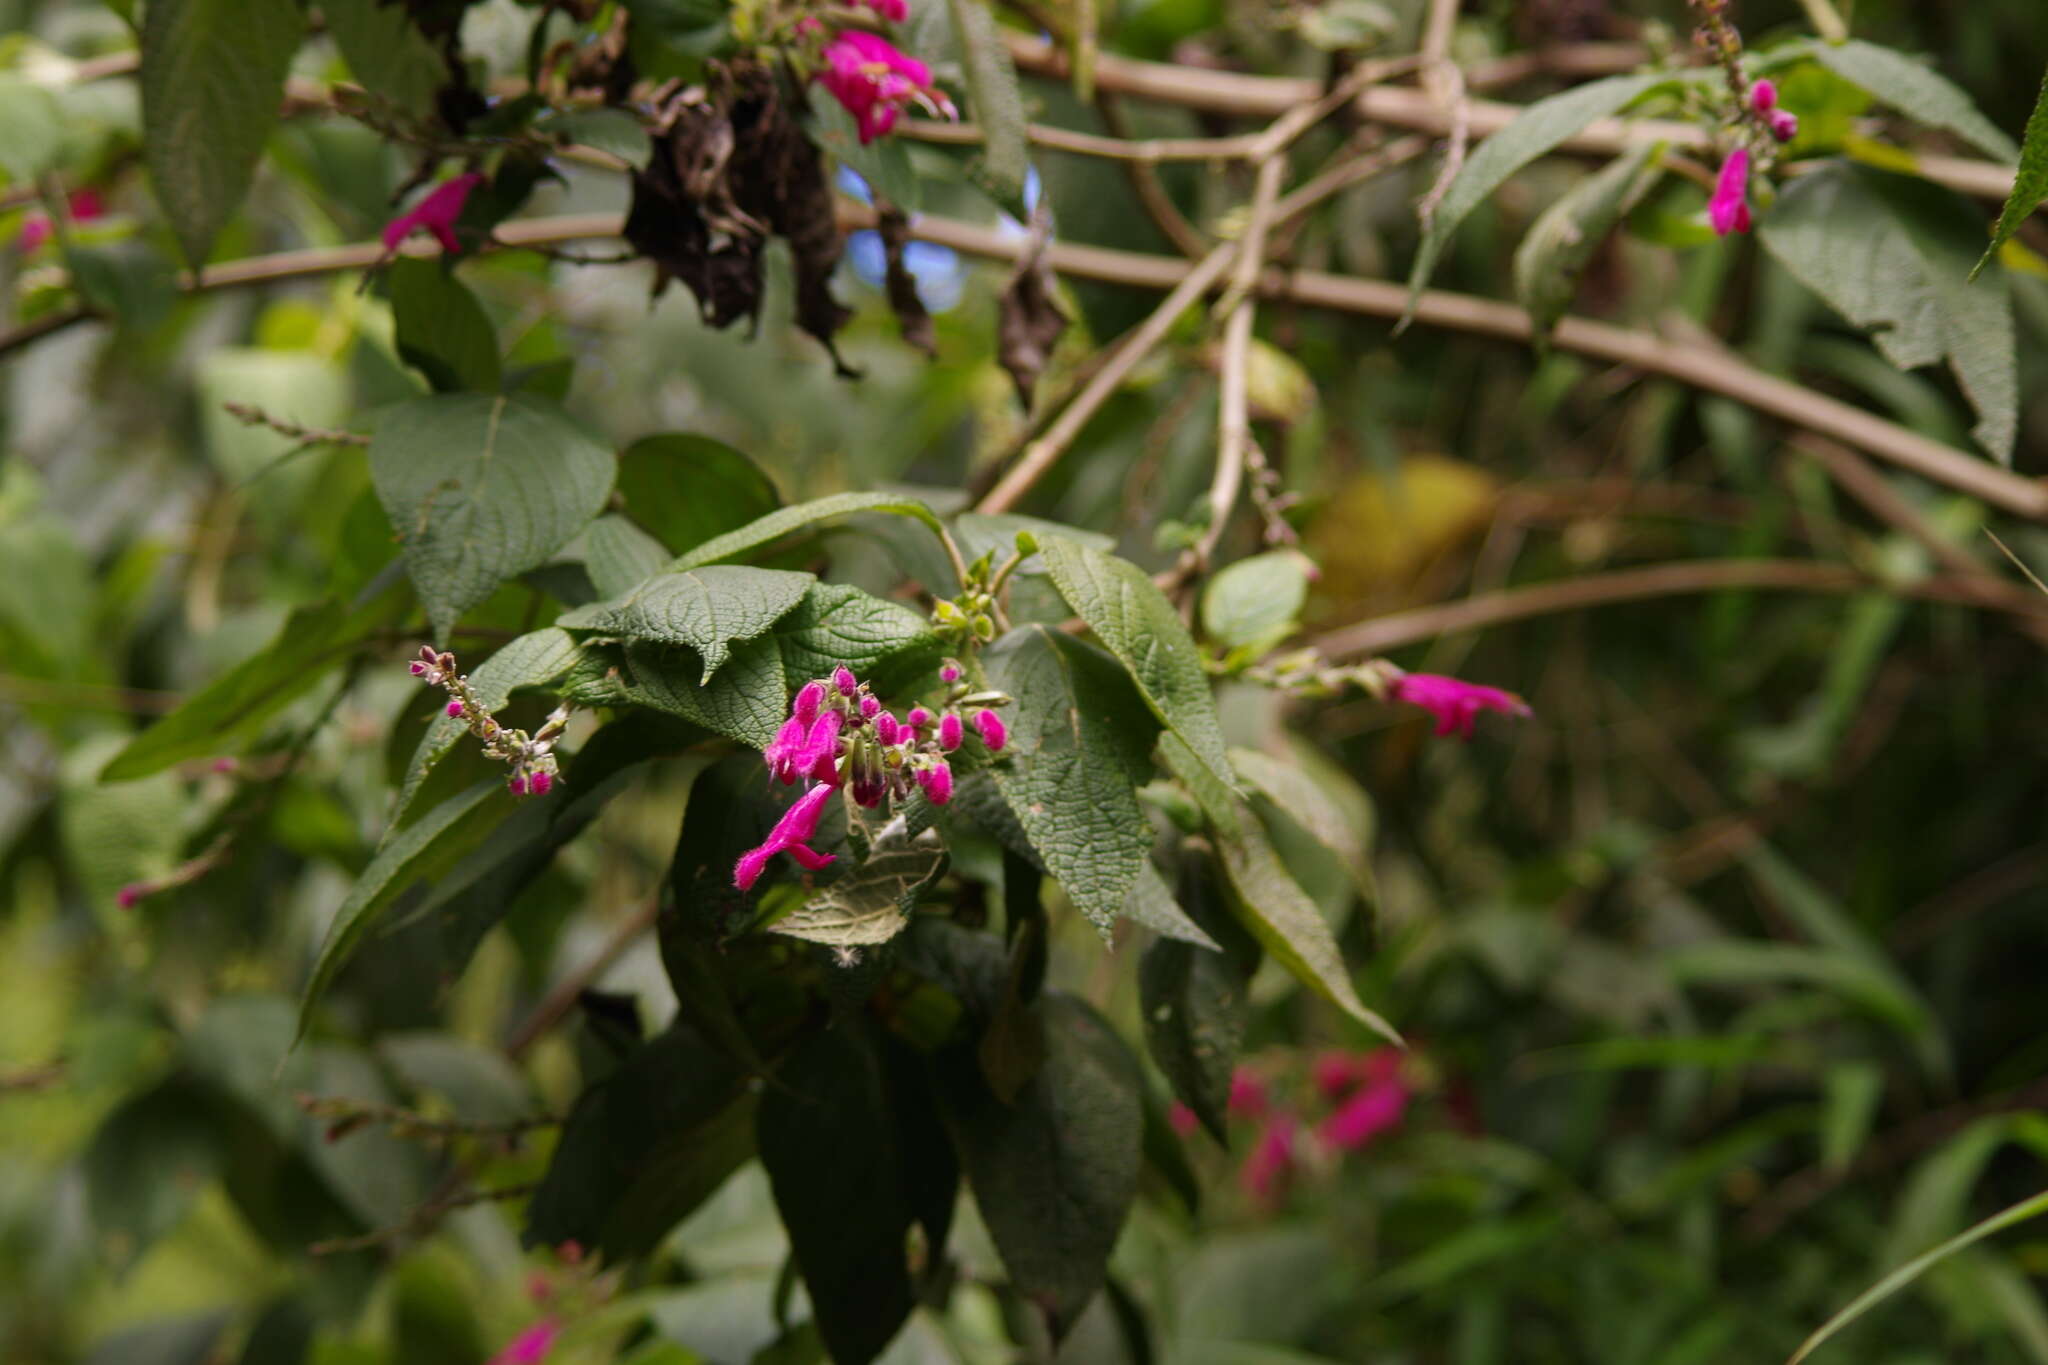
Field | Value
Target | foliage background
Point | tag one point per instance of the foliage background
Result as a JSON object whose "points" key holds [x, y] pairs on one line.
{"points": [[1723, 971]]}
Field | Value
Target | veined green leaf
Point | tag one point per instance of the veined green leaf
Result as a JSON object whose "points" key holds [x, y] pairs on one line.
{"points": [[686, 488], [1563, 239], [707, 609], [1079, 747], [2029, 186], [1541, 128], [387, 53], [441, 328], [1136, 623], [1255, 603], [885, 643], [998, 104], [212, 83], [619, 556], [480, 488], [777, 524], [1914, 88], [870, 903]]}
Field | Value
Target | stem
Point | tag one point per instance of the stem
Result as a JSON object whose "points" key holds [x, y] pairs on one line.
{"points": [[1826, 20], [1233, 419], [560, 1000], [1659, 580]]}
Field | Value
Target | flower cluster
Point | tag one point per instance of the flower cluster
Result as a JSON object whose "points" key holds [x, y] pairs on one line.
{"points": [[873, 78], [1760, 125], [37, 228], [1364, 1095], [534, 770], [839, 735]]}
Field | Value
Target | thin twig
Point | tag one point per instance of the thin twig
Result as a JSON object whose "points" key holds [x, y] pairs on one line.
{"points": [[562, 998], [1658, 580], [251, 415], [421, 1220], [1233, 416], [1187, 239]]}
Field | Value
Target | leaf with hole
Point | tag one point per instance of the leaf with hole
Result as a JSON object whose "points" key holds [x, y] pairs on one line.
{"points": [[870, 903]]}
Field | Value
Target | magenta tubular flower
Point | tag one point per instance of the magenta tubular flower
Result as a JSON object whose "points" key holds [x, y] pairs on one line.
{"points": [[791, 835], [1728, 210], [784, 754], [809, 698], [820, 757], [436, 214], [531, 1346], [918, 718], [843, 679], [886, 728], [937, 782], [895, 11], [1375, 1109], [1265, 1171], [1455, 704], [875, 82], [951, 731], [949, 672], [1763, 97], [993, 732]]}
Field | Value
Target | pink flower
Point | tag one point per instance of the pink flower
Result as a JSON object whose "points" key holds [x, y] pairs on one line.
{"points": [[1763, 97], [993, 734], [37, 228], [1784, 124], [1728, 210], [895, 11], [1372, 1111], [785, 752], [436, 213], [539, 783], [949, 672], [918, 718], [1247, 1095], [129, 896], [809, 698], [937, 782], [868, 707], [843, 679], [951, 732], [1271, 1160], [820, 756], [531, 1346], [887, 729], [1182, 1119], [791, 835], [1456, 704], [875, 82], [1337, 1074]]}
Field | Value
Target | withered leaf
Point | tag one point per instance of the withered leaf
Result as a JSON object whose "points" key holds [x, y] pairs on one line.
{"points": [[901, 285], [1031, 321]]}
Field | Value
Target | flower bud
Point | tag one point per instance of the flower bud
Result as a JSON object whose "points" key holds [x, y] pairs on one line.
{"points": [[1784, 125], [949, 672], [130, 895], [454, 708], [843, 679], [886, 729], [868, 707], [809, 698], [993, 732], [1763, 97], [950, 731], [918, 718], [937, 782], [539, 783], [517, 784]]}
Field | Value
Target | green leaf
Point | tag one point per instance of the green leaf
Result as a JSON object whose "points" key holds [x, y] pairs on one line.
{"points": [[707, 609], [1563, 239], [747, 701], [420, 850], [1270, 902], [480, 489], [1541, 128], [883, 642], [1853, 1090], [1914, 88], [148, 1160], [995, 533], [1136, 623], [1151, 905], [772, 527], [1891, 1284], [532, 660], [479, 1084], [1302, 800], [1055, 1173], [35, 129], [619, 556], [884, 163], [441, 328], [643, 1147], [687, 489], [1196, 1004], [998, 105], [607, 130], [1080, 745], [1256, 602], [2029, 186], [387, 53], [212, 82], [236, 706], [827, 1139], [871, 903], [1893, 256]]}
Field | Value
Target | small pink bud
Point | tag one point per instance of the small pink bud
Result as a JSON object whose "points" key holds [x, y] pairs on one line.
{"points": [[419, 670], [937, 782], [950, 672], [225, 766], [993, 732], [886, 729], [843, 679], [454, 708], [1784, 125], [129, 895], [950, 731], [918, 718], [868, 707], [517, 784], [1183, 1120], [539, 783], [1763, 97], [809, 698]]}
